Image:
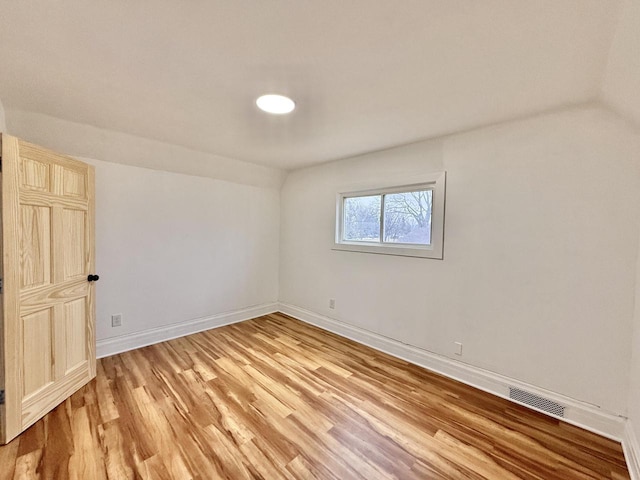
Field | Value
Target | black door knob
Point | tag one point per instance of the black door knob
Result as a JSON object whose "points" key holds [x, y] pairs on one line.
{"points": [[93, 278]]}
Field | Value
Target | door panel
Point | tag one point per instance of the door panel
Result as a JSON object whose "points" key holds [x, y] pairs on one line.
{"points": [[75, 313], [35, 175], [35, 245], [74, 230], [74, 183], [48, 308], [37, 348]]}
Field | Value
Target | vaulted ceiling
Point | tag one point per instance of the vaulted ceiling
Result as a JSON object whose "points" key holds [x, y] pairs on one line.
{"points": [[366, 74]]}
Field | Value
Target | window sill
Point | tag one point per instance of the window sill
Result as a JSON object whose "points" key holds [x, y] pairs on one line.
{"points": [[387, 249]]}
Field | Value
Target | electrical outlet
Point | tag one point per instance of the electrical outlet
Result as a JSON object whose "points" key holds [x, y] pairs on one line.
{"points": [[458, 349], [116, 320], [332, 303]]}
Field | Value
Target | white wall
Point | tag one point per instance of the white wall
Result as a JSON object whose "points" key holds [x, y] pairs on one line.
{"points": [[86, 141], [3, 125], [621, 91], [172, 247], [634, 384], [541, 222], [621, 86]]}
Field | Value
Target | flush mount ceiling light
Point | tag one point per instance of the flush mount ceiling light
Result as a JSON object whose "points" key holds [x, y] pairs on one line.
{"points": [[276, 104]]}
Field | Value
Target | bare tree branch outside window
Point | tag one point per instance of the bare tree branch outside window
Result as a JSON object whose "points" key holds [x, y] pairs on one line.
{"points": [[407, 217], [362, 218]]}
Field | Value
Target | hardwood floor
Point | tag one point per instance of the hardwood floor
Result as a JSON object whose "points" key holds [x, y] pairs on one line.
{"points": [[275, 398]]}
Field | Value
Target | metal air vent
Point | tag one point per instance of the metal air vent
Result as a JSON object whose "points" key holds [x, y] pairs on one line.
{"points": [[536, 401]]}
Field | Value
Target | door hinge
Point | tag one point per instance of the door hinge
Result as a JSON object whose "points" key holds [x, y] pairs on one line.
{"points": [[1, 397], [1, 286]]}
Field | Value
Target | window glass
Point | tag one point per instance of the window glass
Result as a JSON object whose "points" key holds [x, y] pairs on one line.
{"points": [[362, 218], [407, 217]]}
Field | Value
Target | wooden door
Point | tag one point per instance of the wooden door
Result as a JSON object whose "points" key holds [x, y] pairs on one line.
{"points": [[48, 312]]}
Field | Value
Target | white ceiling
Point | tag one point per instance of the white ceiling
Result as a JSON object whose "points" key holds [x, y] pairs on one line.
{"points": [[366, 74]]}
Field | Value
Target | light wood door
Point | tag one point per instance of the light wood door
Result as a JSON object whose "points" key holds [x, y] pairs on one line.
{"points": [[48, 312]]}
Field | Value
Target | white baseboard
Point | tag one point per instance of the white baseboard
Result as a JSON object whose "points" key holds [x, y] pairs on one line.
{"points": [[631, 449], [131, 341], [581, 414]]}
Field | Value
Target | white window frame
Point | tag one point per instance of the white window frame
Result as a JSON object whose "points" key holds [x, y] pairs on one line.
{"points": [[436, 182]]}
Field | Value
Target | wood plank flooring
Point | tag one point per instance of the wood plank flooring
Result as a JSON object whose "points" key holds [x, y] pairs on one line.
{"points": [[274, 398]]}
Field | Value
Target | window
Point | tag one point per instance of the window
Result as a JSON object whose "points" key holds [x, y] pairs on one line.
{"points": [[394, 220]]}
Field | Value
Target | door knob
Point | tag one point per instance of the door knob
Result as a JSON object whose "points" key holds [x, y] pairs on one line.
{"points": [[93, 278]]}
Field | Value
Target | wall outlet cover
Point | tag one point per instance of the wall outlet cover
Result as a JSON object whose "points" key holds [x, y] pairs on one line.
{"points": [[116, 320]]}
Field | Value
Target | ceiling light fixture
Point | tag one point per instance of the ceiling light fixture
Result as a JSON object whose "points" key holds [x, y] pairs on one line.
{"points": [[276, 104]]}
